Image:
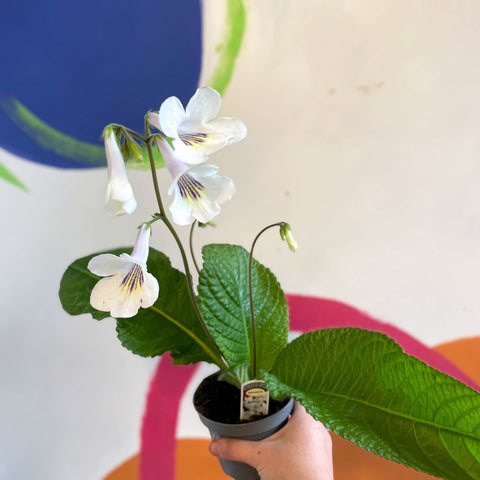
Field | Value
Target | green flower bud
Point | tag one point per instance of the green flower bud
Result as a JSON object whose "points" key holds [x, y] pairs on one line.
{"points": [[286, 234], [135, 149]]}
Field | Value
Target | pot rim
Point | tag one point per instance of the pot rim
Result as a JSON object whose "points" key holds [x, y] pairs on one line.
{"points": [[261, 422]]}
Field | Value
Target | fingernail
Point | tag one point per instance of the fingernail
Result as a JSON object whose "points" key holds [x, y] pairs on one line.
{"points": [[213, 447]]}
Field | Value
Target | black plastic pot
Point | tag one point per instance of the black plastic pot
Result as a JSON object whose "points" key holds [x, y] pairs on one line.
{"points": [[255, 430]]}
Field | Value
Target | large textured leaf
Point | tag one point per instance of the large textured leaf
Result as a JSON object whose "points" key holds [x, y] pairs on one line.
{"points": [[168, 325], [224, 301], [361, 385]]}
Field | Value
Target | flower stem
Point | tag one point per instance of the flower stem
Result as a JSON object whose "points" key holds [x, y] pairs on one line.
{"points": [[155, 180], [192, 253], [219, 360], [128, 130], [250, 291]]}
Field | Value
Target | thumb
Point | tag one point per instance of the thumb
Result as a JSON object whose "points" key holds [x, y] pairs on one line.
{"points": [[237, 450]]}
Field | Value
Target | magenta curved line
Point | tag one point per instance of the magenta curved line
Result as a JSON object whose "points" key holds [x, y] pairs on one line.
{"points": [[158, 443]]}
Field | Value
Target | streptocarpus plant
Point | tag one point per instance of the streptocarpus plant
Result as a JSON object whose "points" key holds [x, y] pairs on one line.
{"points": [[359, 383]]}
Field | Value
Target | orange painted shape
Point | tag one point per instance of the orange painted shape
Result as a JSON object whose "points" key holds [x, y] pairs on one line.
{"points": [[129, 470], [193, 461], [352, 462], [465, 354]]}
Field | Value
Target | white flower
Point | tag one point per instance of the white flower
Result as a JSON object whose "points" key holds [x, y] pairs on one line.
{"points": [[196, 128], [127, 286], [198, 191], [119, 198]]}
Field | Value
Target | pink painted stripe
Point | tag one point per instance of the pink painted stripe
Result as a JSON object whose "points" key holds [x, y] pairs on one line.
{"points": [[310, 313], [157, 451]]}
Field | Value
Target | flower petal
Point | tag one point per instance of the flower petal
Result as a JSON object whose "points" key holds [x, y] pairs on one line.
{"points": [[219, 188], [119, 197], [232, 129], [181, 210], [107, 264], [173, 162], [188, 155], [124, 298], [203, 106], [199, 192], [206, 210], [154, 120], [170, 115], [141, 248], [115, 162], [213, 136], [150, 290]]}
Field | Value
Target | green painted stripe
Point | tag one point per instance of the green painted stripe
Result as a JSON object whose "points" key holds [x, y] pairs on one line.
{"points": [[230, 47], [50, 138], [8, 176], [58, 142]]}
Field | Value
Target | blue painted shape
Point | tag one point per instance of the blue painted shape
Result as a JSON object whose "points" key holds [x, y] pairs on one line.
{"points": [[81, 65]]}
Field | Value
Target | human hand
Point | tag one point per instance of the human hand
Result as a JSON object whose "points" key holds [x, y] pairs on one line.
{"points": [[301, 450]]}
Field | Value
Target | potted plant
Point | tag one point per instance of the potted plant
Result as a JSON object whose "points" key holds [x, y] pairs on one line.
{"points": [[359, 383]]}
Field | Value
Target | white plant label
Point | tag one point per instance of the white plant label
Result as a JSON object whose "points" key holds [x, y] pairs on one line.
{"points": [[254, 400]]}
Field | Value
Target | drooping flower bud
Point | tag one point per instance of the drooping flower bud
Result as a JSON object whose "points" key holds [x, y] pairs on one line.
{"points": [[119, 197], [134, 149], [286, 234]]}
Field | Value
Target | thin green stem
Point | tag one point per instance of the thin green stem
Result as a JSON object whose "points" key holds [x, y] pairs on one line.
{"points": [[250, 291], [155, 180], [133, 133], [190, 242], [211, 353]]}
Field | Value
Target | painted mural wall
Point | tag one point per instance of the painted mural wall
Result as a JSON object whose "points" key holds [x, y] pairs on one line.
{"points": [[363, 121]]}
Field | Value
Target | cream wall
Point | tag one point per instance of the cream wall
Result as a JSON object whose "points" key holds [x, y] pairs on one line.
{"points": [[363, 133]]}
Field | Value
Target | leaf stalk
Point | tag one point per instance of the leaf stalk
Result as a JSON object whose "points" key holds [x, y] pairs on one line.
{"points": [[250, 292]]}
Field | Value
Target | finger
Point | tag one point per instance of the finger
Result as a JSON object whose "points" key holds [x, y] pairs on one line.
{"points": [[299, 415], [237, 450], [301, 419]]}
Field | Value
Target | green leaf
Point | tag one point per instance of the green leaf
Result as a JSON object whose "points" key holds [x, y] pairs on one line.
{"points": [[237, 375], [225, 305], [76, 285], [362, 386], [168, 325]]}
